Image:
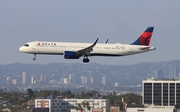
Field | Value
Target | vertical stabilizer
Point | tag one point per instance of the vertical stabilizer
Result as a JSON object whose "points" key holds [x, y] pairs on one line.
{"points": [[145, 37]]}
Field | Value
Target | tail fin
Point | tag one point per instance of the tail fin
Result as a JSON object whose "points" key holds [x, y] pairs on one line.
{"points": [[145, 37]]}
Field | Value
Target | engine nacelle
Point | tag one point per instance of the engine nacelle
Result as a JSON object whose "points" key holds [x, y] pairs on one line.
{"points": [[70, 55]]}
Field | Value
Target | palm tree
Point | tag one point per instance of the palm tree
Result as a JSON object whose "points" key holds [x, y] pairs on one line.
{"points": [[87, 105], [79, 107], [83, 103]]}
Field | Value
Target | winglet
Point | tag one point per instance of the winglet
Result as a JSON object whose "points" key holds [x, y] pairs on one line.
{"points": [[106, 41], [145, 37], [95, 41]]}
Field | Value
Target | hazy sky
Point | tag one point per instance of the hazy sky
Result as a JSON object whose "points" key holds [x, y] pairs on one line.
{"points": [[120, 21]]}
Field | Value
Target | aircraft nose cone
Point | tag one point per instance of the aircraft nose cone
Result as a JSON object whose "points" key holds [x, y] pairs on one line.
{"points": [[21, 49]]}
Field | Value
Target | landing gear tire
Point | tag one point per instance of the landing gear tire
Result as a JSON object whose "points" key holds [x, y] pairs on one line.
{"points": [[86, 60], [34, 59]]}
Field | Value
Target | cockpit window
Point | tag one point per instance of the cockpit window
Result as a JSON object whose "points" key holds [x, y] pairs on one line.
{"points": [[27, 45]]}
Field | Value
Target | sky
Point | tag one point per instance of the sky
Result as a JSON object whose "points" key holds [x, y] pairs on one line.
{"points": [[120, 21]]}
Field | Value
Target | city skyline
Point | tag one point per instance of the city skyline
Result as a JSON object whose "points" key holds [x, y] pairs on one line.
{"points": [[92, 76]]}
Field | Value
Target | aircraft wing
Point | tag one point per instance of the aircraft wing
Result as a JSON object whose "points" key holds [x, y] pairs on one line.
{"points": [[86, 51]]}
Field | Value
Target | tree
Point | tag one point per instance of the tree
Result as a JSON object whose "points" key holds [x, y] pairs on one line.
{"points": [[1, 91], [94, 92], [83, 103], [82, 95], [44, 93], [88, 107], [79, 107], [132, 98], [30, 93], [68, 94]]}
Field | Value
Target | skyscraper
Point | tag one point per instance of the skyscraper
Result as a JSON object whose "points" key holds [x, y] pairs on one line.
{"points": [[104, 80], [32, 80], [159, 74], [24, 78], [72, 78], [43, 79], [65, 81], [9, 81], [173, 72], [83, 80], [91, 80], [4, 81], [176, 71], [14, 81], [116, 84]]}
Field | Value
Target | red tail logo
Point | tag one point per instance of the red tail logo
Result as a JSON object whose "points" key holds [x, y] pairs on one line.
{"points": [[145, 37]]}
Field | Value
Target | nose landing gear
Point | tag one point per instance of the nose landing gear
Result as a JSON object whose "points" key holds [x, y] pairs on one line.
{"points": [[34, 59]]}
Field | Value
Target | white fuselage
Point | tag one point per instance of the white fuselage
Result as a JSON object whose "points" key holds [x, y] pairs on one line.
{"points": [[58, 48]]}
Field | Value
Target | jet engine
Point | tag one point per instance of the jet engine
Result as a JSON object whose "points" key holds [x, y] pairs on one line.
{"points": [[70, 55]]}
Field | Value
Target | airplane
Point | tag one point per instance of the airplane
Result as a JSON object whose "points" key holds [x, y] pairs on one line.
{"points": [[75, 50]]}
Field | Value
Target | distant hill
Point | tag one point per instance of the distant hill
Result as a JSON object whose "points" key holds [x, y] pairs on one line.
{"points": [[124, 74]]}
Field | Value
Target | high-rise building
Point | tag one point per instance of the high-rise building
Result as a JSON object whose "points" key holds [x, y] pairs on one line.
{"points": [[85, 80], [159, 74], [161, 92], [176, 71], [82, 80], [32, 80], [43, 79], [72, 78], [65, 81], [104, 80], [173, 72], [24, 78], [4, 81], [9, 81], [91, 80], [14, 82], [116, 84]]}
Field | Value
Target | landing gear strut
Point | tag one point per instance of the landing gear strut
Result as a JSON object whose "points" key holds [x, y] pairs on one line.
{"points": [[86, 60], [34, 59]]}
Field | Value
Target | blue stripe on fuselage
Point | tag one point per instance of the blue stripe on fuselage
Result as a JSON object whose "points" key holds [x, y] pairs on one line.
{"points": [[98, 54]]}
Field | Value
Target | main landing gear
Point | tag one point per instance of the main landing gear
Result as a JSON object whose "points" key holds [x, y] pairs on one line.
{"points": [[86, 60], [34, 59]]}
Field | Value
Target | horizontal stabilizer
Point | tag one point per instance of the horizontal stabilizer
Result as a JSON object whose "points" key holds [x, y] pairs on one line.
{"points": [[145, 48]]}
